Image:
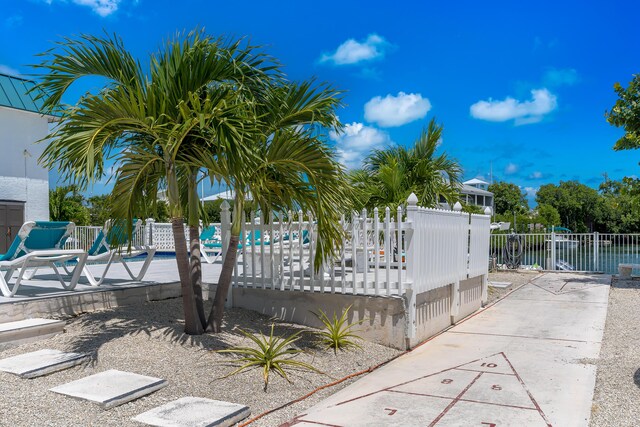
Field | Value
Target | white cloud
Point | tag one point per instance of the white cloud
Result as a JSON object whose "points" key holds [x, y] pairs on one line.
{"points": [[356, 141], [397, 110], [522, 112], [536, 175], [13, 21], [5, 69], [100, 7], [353, 51], [531, 191], [511, 169], [561, 77]]}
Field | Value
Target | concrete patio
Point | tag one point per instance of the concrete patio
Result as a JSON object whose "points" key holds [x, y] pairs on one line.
{"points": [[43, 296], [527, 360]]}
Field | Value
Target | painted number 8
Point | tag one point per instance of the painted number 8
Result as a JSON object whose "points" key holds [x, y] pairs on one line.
{"points": [[447, 381]]}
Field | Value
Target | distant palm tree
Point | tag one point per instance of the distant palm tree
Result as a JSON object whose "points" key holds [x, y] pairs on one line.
{"points": [[65, 204], [390, 175]]}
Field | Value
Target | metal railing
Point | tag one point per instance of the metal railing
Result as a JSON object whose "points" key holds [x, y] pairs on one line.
{"points": [[583, 252]]}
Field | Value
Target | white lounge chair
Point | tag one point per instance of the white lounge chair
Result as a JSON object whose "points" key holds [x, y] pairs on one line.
{"points": [[210, 244], [112, 245], [39, 244]]}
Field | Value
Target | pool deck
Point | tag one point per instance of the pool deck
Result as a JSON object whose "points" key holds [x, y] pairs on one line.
{"points": [[43, 295]]}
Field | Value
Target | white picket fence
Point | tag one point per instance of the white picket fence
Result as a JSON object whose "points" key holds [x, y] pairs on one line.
{"points": [[380, 255], [424, 250]]}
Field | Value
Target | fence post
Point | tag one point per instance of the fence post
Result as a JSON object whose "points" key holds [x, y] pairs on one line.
{"points": [[411, 253], [485, 277], [225, 235], [149, 233], [553, 249], [455, 286], [596, 243]]}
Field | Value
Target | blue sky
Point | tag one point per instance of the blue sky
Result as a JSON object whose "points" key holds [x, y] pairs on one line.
{"points": [[521, 88]]}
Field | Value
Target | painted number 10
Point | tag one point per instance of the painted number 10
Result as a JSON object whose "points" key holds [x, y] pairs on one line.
{"points": [[489, 365]]}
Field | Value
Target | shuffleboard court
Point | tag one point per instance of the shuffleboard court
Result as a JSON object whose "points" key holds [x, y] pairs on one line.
{"points": [[523, 361]]}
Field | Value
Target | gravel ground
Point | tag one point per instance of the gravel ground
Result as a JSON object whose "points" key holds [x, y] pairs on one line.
{"points": [[617, 394], [516, 277], [147, 339]]}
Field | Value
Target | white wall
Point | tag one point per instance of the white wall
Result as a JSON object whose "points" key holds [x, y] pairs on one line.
{"points": [[21, 178]]}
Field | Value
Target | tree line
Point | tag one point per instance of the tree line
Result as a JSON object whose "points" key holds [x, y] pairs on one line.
{"points": [[614, 207]]}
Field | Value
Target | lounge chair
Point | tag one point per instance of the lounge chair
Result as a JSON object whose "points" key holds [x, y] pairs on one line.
{"points": [[39, 244], [112, 245], [210, 244]]}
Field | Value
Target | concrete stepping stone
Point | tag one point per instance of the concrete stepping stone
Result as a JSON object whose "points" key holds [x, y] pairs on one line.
{"points": [[111, 388], [28, 330], [500, 284], [42, 362], [195, 412]]}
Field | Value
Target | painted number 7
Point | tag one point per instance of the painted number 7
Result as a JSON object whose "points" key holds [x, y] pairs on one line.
{"points": [[489, 424]]}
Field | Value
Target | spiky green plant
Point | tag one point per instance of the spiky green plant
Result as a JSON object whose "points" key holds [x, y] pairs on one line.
{"points": [[338, 333], [272, 354]]}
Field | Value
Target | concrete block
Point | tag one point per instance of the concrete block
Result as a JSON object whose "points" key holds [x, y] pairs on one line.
{"points": [[624, 270], [501, 285], [29, 330], [195, 412], [384, 318], [111, 388], [42, 362]]}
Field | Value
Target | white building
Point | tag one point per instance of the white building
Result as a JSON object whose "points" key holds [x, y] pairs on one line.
{"points": [[24, 185], [475, 192]]}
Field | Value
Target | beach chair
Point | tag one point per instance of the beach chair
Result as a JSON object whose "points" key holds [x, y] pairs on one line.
{"points": [[39, 244], [210, 244], [112, 245]]}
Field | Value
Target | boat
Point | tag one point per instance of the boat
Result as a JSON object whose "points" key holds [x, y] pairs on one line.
{"points": [[562, 241], [563, 265]]}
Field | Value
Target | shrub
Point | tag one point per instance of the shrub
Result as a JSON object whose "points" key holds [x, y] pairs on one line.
{"points": [[272, 354], [338, 332]]}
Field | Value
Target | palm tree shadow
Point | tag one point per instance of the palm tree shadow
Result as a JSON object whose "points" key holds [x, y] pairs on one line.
{"points": [[164, 320]]}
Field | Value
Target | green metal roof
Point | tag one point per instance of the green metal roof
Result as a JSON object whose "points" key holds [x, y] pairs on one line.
{"points": [[14, 94]]}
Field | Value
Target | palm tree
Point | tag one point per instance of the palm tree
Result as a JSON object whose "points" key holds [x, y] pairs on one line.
{"points": [[289, 166], [66, 204], [390, 175], [205, 105], [194, 100]]}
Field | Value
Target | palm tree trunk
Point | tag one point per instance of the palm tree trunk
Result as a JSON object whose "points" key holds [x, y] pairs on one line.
{"points": [[214, 323], [195, 272], [192, 324], [195, 262]]}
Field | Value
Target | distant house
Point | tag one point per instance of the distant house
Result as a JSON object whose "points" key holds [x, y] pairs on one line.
{"points": [[24, 185], [475, 192]]}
